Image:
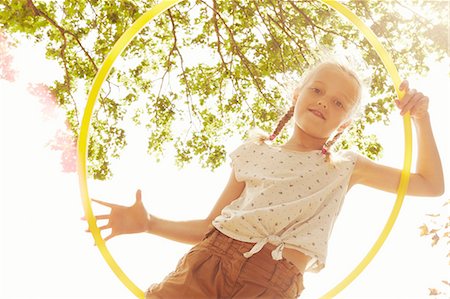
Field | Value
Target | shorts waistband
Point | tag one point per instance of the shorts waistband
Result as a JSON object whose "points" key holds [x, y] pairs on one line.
{"points": [[223, 244]]}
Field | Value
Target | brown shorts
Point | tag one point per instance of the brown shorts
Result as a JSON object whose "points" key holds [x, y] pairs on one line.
{"points": [[216, 268]]}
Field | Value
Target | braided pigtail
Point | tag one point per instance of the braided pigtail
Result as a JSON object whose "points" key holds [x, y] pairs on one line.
{"points": [[326, 147], [282, 123], [258, 136]]}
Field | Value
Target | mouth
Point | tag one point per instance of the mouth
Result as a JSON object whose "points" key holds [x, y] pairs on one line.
{"points": [[317, 113]]}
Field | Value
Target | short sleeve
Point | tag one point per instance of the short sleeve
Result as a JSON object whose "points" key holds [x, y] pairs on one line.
{"points": [[349, 155], [238, 157], [347, 160]]}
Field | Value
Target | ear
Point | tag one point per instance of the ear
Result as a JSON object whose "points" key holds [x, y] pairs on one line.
{"points": [[295, 94], [344, 125]]}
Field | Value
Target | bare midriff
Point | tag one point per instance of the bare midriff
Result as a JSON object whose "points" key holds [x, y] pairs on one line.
{"points": [[299, 259]]}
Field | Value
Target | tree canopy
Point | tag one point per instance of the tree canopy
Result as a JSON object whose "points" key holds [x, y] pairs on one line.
{"points": [[206, 70]]}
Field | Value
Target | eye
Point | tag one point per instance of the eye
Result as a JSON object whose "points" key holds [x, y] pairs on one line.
{"points": [[315, 89], [339, 104]]}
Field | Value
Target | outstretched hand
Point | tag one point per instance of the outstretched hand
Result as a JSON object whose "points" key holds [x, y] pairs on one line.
{"points": [[414, 102], [124, 220]]}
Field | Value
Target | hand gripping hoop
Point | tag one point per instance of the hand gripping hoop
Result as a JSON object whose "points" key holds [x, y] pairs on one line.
{"points": [[103, 72]]}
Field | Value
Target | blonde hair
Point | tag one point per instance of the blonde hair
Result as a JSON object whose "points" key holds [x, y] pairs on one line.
{"points": [[348, 64]]}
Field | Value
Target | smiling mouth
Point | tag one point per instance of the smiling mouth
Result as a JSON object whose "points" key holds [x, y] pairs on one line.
{"points": [[317, 113]]}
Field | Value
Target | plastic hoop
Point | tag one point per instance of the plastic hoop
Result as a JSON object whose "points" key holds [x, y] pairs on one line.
{"points": [[404, 179], [101, 76]]}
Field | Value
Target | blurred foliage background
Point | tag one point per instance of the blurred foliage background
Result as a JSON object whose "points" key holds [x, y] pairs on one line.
{"points": [[204, 71]]}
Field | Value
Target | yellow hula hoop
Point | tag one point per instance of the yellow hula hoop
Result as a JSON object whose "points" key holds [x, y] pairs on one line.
{"points": [[102, 74]]}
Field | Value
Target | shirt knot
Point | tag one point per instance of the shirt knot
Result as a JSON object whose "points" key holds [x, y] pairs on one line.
{"points": [[274, 239]]}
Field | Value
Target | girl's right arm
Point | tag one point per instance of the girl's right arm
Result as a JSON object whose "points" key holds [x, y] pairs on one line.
{"points": [[192, 231], [135, 219]]}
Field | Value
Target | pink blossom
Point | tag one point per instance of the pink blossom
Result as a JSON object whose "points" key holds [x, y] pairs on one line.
{"points": [[65, 142], [63, 139], [6, 71], [46, 97]]}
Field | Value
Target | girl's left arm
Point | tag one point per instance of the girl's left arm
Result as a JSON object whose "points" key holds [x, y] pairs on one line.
{"points": [[428, 180]]}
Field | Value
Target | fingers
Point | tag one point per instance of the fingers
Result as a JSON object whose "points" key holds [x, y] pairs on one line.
{"points": [[413, 98], [138, 195], [109, 237], [98, 217], [406, 98], [103, 227], [414, 102], [106, 226], [408, 95], [111, 205], [404, 85]]}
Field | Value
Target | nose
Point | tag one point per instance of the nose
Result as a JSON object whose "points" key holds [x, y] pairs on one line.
{"points": [[320, 103]]}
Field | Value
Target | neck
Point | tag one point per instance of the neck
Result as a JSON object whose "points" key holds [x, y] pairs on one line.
{"points": [[301, 140]]}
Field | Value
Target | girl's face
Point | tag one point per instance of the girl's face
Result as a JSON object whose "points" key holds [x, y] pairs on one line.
{"points": [[325, 101]]}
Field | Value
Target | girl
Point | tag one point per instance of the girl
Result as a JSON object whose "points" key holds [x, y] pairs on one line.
{"points": [[272, 222]]}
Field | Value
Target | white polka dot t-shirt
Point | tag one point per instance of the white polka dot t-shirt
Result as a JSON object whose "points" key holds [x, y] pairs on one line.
{"points": [[291, 199]]}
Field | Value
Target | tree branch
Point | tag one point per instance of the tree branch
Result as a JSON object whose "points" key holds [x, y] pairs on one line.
{"points": [[218, 35], [371, 17], [273, 38], [317, 26], [63, 31], [283, 28], [241, 55], [188, 88], [416, 14]]}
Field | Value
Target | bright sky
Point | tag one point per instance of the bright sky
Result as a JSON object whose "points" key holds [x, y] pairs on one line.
{"points": [[47, 254]]}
